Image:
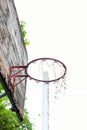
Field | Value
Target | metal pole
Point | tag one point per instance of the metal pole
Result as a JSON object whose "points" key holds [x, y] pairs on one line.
{"points": [[45, 103]]}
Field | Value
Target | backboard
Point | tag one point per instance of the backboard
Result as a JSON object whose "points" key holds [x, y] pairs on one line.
{"points": [[12, 53]]}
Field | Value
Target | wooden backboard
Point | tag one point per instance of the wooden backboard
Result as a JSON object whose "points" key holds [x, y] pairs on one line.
{"points": [[12, 53]]}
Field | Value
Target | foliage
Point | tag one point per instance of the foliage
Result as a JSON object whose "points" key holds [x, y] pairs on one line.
{"points": [[9, 119], [24, 33], [0, 87], [26, 123]]}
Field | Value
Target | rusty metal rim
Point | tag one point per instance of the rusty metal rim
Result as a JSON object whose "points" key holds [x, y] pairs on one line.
{"points": [[47, 81]]}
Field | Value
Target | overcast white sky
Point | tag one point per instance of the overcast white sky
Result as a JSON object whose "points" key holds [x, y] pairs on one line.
{"points": [[58, 29]]}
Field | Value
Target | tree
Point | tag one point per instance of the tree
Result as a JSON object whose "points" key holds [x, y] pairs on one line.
{"points": [[8, 118], [24, 33]]}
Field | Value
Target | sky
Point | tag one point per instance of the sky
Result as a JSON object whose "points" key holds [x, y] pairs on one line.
{"points": [[58, 29]]}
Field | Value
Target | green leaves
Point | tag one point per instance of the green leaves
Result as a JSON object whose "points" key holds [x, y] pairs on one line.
{"points": [[24, 33], [9, 119], [0, 87], [26, 122]]}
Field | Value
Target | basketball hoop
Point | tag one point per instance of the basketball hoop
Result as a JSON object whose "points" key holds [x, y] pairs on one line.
{"points": [[56, 69], [51, 64]]}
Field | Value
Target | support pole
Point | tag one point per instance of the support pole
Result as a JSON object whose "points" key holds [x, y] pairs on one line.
{"points": [[45, 103]]}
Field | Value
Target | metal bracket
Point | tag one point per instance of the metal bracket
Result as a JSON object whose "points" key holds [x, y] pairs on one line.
{"points": [[13, 77]]}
